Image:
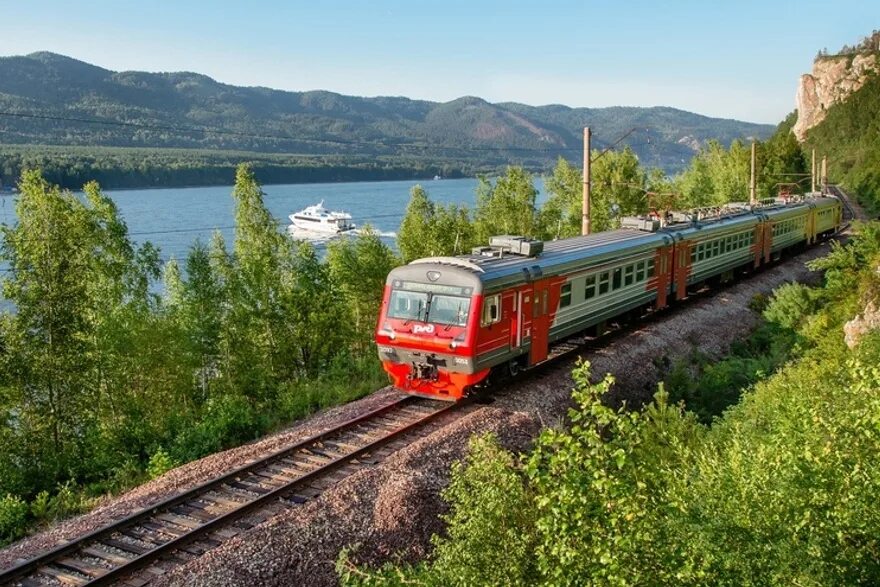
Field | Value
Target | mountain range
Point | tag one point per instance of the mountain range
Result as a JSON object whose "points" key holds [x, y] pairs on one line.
{"points": [[51, 99]]}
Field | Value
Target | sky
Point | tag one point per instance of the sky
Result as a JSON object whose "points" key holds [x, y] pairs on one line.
{"points": [[732, 59]]}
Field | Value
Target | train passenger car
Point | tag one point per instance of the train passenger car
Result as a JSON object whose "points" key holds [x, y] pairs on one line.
{"points": [[445, 322], [715, 248], [786, 226], [827, 217]]}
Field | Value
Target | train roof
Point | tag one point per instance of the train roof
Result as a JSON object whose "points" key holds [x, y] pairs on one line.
{"points": [[490, 272], [487, 273]]}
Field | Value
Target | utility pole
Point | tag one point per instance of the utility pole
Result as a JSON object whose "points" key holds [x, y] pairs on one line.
{"points": [[753, 185], [813, 173], [585, 217], [824, 174]]}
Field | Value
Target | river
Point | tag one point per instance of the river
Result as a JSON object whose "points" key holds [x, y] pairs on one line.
{"points": [[174, 218]]}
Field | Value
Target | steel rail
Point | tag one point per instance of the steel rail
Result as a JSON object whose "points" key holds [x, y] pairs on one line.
{"points": [[27, 567]]}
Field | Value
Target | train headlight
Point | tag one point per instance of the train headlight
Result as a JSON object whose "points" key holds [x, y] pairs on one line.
{"points": [[387, 331]]}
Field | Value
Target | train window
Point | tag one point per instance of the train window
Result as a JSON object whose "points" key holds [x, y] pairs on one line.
{"points": [[640, 271], [693, 255], [604, 278], [565, 297], [615, 279], [491, 310], [590, 287], [649, 269], [451, 310], [628, 274], [716, 248], [407, 305]]}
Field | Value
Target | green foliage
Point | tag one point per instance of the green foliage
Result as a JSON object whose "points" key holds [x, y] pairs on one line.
{"points": [[13, 518], [506, 206], [104, 384], [791, 303], [429, 229], [160, 463], [359, 267]]}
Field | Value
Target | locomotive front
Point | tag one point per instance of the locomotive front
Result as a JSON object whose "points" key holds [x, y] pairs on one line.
{"points": [[427, 329]]}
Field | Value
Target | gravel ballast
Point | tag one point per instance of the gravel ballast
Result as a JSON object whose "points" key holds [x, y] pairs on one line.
{"points": [[392, 509]]}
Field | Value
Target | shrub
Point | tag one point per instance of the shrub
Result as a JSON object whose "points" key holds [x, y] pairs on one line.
{"points": [[13, 518], [159, 463], [790, 304]]}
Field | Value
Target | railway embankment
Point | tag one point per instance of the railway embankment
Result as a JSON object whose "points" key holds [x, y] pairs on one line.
{"points": [[392, 509]]}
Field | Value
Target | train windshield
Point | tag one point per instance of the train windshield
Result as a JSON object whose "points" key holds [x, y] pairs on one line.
{"points": [[451, 310], [408, 305]]}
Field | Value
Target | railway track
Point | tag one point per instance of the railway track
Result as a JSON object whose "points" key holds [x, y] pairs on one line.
{"points": [[139, 548]]}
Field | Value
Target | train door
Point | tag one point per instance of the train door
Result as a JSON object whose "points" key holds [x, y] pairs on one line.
{"points": [[511, 316], [540, 321], [523, 333]]}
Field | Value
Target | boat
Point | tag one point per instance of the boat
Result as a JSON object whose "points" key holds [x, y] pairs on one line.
{"points": [[319, 220]]}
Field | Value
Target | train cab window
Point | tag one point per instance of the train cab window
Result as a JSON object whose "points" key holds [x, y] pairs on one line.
{"points": [[590, 287], [491, 310], [649, 269], [565, 297], [452, 310], [604, 279], [407, 305], [616, 278], [628, 274]]}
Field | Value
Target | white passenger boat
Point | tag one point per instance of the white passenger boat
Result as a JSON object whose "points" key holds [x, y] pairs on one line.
{"points": [[318, 220]]}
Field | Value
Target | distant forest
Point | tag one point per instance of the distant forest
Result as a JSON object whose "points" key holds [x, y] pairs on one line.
{"points": [[120, 167]]}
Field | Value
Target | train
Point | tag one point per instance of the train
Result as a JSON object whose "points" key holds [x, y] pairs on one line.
{"points": [[447, 323]]}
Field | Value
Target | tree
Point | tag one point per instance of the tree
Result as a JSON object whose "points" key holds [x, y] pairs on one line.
{"points": [[412, 237], [507, 206], [359, 267], [561, 214], [81, 292], [429, 229]]}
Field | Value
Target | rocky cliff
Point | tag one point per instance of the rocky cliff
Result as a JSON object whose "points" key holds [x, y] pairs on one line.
{"points": [[833, 79]]}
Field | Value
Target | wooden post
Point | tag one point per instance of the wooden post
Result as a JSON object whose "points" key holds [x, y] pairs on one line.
{"points": [[585, 218], [753, 185], [813, 173], [824, 174]]}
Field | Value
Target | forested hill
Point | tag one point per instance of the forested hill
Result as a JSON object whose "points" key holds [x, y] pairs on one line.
{"points": [[465, 133]]}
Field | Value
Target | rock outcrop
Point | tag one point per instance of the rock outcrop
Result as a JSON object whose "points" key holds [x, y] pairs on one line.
{"points": [[862, 324], [833, 79]]}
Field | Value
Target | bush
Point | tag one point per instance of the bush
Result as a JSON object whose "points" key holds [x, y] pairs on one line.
{"points": [[13, 518], [790, 304], [159, 463]]}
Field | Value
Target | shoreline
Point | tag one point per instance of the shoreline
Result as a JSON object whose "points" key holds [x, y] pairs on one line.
{"points": [[428, 180]]}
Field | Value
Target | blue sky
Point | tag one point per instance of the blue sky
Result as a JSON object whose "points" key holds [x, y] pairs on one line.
{"points": [[729, 59]]}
